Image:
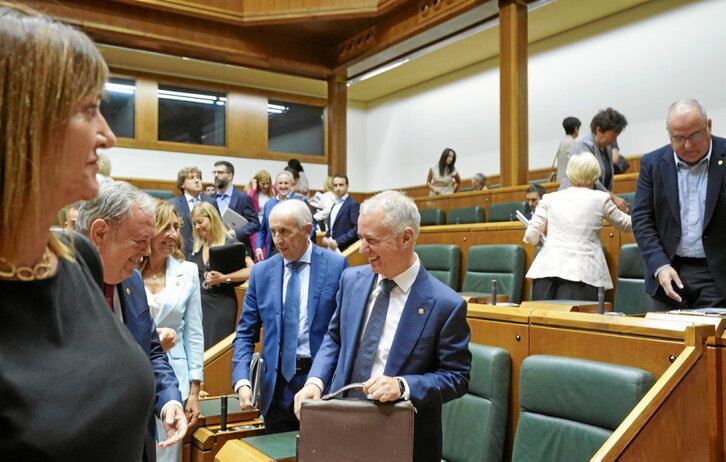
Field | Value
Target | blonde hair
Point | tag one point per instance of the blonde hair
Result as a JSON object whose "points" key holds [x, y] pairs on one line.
{"points": [[45, 68], [264, 175], [219, 234], [164, 211], [104, 164], [583, 169], [328, 184]]}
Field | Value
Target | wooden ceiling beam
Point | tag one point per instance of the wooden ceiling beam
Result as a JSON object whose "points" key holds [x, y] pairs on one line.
{"points": [[153, 30]]}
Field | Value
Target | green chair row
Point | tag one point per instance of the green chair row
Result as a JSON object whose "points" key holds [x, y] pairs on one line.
{"points": [[504, 211]]}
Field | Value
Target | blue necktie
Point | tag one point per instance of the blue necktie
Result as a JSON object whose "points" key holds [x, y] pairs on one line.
{"points": [[291, 321], [369, 343]]}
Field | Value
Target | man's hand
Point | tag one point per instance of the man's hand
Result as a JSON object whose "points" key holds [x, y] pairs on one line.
{"points": [[666, 278], [259, 255], [383, 388], [167, 337], [309, 391], [333, 244], [245, 397], [175, 424], [619, 202]]}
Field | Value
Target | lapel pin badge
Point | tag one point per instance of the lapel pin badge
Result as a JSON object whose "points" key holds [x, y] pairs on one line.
{"points": [[128, 291], [421, 311], [720, 162]]}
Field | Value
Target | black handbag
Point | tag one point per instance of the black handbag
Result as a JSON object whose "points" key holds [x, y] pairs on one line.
{"points": [[227, 258]]}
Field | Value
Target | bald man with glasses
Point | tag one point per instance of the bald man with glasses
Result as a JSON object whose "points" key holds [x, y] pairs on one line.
{"points": [[680, 213]]}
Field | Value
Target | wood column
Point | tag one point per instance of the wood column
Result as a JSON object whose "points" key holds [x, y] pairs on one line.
{"points": [[336, 124], [513, 116]]}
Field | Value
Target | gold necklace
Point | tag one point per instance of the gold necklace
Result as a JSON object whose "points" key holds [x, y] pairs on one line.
{"points": [[156, 275], [26, 273]]}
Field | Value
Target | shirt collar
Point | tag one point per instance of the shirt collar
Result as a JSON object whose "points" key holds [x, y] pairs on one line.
{"points": [[305, 258], [342, 199], [405, 279], [189, 198], [681, 163]]}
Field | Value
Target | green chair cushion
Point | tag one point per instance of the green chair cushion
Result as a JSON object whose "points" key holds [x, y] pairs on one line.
{"points": [[432, 217], [503, 262], [474, 426], [505, 211], [569, 407], [275, 446], [630, 295], [465, 215], [162, 194], [442, 261]]}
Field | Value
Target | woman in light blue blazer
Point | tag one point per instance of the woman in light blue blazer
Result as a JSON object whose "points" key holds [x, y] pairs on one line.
{"points": [[172, 290]]}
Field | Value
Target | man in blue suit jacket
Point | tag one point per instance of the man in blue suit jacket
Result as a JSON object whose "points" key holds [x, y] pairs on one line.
{"points": [[680, 213], [421, 350], [265, 244], [189, 182], [229, 196], [120, 223], [343, 218], [290, 224]]}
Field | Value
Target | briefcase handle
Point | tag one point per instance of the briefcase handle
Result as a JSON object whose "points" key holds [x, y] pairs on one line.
{"points": [[343, 389]]}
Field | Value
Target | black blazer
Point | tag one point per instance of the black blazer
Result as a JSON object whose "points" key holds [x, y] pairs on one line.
{"points": [[657, 219], [345, 228]]}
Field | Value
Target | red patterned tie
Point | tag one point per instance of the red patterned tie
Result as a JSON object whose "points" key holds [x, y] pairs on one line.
{"points": [[108, 293]]}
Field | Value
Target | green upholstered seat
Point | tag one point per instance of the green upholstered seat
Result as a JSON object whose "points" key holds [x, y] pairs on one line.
{"points": [[630, 295], [431, 217], [506, 211], [465, 215], [503, 262], [275, 446], [629, 198], [569, 407], [475, 425], [442, 261], [162, 194]]}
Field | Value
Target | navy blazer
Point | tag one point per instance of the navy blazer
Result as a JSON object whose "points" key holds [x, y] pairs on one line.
{"points": [[242, 204], [138, 320], [429, 350], [262, 307], [345, 228], [657, 218], [182, 207]]}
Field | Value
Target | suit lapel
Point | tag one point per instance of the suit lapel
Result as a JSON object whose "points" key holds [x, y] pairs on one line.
{"points": [[357, 311], [343, 207], [233, 197], [715, 179], [670, 183], [318, 266], [413, 319]]}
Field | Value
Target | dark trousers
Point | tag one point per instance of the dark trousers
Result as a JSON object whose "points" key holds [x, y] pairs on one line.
{"points": [[562, 289], [281, 415], [699, 287]]}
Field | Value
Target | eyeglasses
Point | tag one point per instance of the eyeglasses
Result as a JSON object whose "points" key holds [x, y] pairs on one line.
{"points": [[221, 172], [692, 137]]}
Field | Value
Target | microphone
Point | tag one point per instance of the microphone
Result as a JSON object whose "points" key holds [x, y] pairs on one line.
{"points": [[494, 291], [223, 414]]}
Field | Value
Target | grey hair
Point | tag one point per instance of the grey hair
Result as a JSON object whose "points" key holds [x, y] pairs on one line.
{"points": [[481, 178], [399, 211], [286, 173], [689, 103], [294, 208], [113, 204]]}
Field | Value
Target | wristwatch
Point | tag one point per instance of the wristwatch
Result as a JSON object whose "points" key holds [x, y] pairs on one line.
{"points": [[401, 386]]}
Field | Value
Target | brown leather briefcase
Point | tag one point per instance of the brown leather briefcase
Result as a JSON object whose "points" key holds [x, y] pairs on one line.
{"points": [[352, 430]]}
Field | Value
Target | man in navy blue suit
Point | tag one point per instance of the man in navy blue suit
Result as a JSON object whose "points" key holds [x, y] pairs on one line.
{"points": [[229, 196], [189, 182], [343, 218], [680, 213], [396, 328], [268, 302], [120, 223]]}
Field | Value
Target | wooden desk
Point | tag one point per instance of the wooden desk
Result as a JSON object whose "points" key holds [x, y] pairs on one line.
{"points": [[280, 447]]}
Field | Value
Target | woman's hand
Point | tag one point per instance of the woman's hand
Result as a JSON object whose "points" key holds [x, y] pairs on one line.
{"points": [[167, 337], [230, 232], [191, 408], [213, 278]]}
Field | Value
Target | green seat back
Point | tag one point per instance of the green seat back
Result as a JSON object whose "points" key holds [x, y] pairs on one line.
{"points": [[629, 198], [162, 194], [503, 262], [465, 215], [506, 211], [630, 295], [442, 261], [431, 217], [569, 407], [474, 426]]}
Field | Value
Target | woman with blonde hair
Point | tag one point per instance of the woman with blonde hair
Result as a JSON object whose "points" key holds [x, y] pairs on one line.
{"points": [[571, 264], [59, 343], [219, 301], [172, 290], [260, 189]]}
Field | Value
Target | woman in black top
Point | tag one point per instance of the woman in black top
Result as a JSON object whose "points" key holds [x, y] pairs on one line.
{"points": [[73, 383]]}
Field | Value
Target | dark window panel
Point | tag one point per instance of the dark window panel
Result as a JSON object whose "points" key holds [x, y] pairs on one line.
{"points": [[295, 128], [188, 115]]}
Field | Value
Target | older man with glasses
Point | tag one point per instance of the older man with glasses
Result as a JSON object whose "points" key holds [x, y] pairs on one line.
{"points": [[680, 213]]}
